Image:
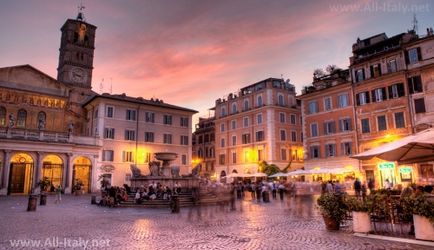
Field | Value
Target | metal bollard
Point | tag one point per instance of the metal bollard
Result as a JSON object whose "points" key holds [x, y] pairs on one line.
{"points": [[93, 200], [31, 206], [174, 204]]}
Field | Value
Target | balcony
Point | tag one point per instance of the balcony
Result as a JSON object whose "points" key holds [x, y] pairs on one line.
{"points": [[47, 136]]}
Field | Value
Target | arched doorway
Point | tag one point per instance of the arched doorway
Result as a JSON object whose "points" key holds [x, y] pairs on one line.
{"points": [[81, 175], [21, 174], [52, 168]]}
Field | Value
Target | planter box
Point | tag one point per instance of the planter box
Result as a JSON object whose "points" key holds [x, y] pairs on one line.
{"points": [[361, 222], [423, 228], [330, 223]]}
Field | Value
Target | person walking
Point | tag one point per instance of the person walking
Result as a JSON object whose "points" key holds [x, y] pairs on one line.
{"points": [[281, 188], [371, 185], [357, 187], [58, 194]]}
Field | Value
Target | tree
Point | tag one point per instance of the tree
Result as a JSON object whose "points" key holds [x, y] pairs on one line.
{"points": [[331, 68], [318, 73], [264, 167]]}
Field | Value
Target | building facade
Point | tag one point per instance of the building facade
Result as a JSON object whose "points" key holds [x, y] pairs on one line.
{"points": [[329, 125], [261, 122], [133, 129], [204, 146], [392, 78]]}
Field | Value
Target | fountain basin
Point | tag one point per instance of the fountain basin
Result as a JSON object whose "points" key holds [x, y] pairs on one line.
{"points": [[166, 156]]}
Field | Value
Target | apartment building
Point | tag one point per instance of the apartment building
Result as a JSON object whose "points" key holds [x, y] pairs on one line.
{"points": [[261, 122], [204, 146], [133, 129], [329, 125]]}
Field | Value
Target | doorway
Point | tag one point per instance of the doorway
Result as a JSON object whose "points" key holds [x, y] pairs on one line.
{"points": [[21, 174], [81, 174]]}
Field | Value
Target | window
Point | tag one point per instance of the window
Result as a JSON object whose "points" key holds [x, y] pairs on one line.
{"points": [[223, 111], [382, 124], [283, 154], [184, 159], [419, 105], [259, 101], [95, 113], [415, 84], [167, 119], [313, 107], [259, 135], [314, 152], [345, 125], [109, 133], [222, 142], [131, 115], [22, 117], [234, 108], [280, 100], [301, 136], [109, 110], [234, 157], [147, 157], [343, 100], [360, 75], [362, 98], [379, 95], [399, 120], [167, 138], [200, 139], [396, 90], [426, 171], [149, 137], [246, 121], [42, 119], [234, 140], [260, 155], [313, 130], [391, 66], [375, 70], [365, 126], [293, 119], [283, 135], [329, 127], [293, 136], [127, 156], [2, 116], [234, 124], [130, 135], [330, 150], [222, 159], [184, 140], [184, 121], [327, 103], [346, 148], [222, 127], [150, 117], [107, 155], [246, 105], [414, 55], [245, 138], [259, 118], [282, 117]]}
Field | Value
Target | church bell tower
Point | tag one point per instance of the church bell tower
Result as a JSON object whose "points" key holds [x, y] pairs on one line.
{"points": [[77, 46]]}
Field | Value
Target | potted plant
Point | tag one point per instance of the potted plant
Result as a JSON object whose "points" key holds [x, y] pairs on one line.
{"points": [[78, 187], [360, 210], [423, 215], [333, 209], [44, 185]]}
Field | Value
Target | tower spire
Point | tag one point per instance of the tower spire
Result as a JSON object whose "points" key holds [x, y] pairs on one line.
{"points": [[80, 15], [414, 23]]}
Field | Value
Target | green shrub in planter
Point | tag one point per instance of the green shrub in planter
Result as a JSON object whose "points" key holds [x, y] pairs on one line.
{"points": [[332, 206], [358, 205], [419, 205]]}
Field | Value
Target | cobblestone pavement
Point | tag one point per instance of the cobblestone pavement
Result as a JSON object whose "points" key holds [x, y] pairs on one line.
{"points": [[292, 224]]}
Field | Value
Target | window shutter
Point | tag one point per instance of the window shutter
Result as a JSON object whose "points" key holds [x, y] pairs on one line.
{"points": [[349, 125], [390, 89], [401, 91], [367, 97], [410, 85], [363, 73], [419, 54], [325, 128], [358, 99], [379, 69], [341, 127], [371, 69], [383, 90], [407, 60], [374, 97]]}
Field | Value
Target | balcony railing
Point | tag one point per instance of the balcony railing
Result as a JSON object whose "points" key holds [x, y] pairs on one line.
{"points": [[47, 136]]}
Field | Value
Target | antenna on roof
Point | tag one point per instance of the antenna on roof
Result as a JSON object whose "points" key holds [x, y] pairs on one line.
{"points": [[111, 86], [101, 86], [80, 15], [414, 23]]}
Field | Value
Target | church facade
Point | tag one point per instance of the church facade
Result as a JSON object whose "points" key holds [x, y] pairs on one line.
{"points": [[45, 131]]}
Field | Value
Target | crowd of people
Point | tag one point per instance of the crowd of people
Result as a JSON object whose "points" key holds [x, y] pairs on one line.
{"points": [[261, 190], [156, 191], [112, 195]]}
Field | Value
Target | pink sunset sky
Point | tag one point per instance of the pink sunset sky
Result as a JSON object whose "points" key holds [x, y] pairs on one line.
{"points": [[190, 53]]}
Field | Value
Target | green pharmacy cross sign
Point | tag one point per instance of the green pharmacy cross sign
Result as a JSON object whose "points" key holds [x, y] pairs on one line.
{"points": [[386, 165]]}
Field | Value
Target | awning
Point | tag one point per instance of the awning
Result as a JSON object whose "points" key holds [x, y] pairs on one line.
{"points": [[279, 175], [410, 149]]}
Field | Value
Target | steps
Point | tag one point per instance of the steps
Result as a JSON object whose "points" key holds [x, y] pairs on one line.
{"points": [[185, 200]]}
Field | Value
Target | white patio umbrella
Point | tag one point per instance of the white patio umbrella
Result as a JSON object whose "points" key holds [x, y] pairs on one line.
{"points": [[259, 175], [410, 149], [298, 172], [280, 174]]}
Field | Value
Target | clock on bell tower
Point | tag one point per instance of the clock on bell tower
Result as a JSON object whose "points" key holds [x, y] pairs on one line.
{"points": [[77, 46]]}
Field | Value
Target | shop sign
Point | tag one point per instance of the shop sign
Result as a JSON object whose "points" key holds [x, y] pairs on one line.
{"points": [[386, 165], [405, 170]]}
